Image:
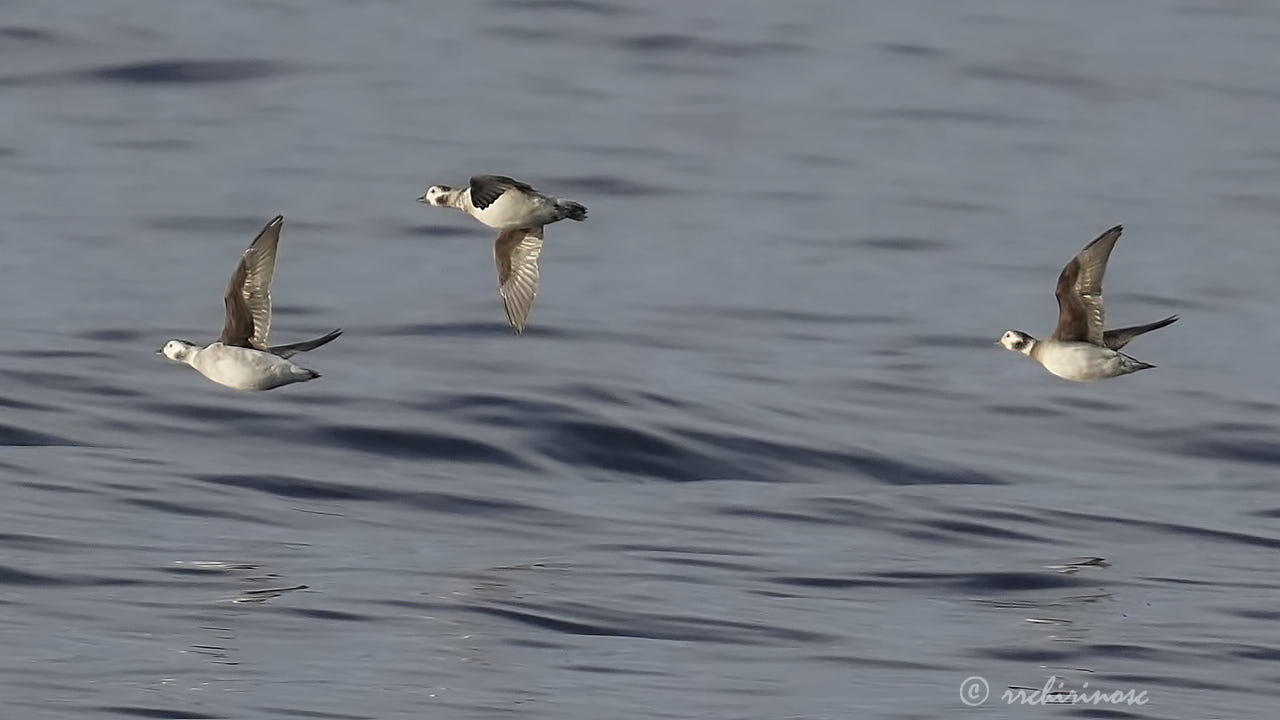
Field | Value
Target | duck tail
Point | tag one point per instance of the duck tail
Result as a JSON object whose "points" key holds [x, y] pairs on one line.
{"points": [[1133, 365], [572, 210], [302, 374]]}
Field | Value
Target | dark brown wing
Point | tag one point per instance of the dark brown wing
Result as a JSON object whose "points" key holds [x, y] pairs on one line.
{"points": [[516, 252], [487, 188], [248, 296], [237, 329], [1079, 291]]}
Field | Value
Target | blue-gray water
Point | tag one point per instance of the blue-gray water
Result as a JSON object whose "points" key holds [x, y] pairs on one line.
{"points": [[756, 456]]}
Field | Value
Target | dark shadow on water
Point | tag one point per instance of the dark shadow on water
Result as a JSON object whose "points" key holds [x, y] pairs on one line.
{"points": [[162, 72], [633, 451], [11, 436], [1183, 530], [604, 185], [319, 490], [475, 329], [154, 144], [156, 713], [189, 510], [246, 225], [1036, 76], [387, 442], [578, 619], [187, 410], [418, 232], [582, 7], [951, 116], [902, 244], [187, 71], [768, 317], [13, 36], [910, 50], [113, 335], [1253, 444], [684, 44]]}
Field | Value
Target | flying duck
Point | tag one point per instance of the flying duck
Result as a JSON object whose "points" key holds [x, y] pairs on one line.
{"points": [[1079, 349], [240, 358], [519, 211]]}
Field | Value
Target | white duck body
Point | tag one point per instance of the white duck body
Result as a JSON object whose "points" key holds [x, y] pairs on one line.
{"points": [[504, 203], [512, 210], [240, 368], [1083, 362]]}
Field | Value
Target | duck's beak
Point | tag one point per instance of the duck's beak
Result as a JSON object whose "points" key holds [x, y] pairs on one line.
{"points": [[422, 198]]}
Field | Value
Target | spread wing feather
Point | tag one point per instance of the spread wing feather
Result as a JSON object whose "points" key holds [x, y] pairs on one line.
{"points": [[248, 296], [1079, 291], [516, 252]]}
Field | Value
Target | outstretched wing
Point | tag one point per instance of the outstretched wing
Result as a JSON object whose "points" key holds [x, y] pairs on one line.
{"points": [[288, 351], [1079, 291], [248, 296], [516, 254], [1118, 338], [487, 188]]}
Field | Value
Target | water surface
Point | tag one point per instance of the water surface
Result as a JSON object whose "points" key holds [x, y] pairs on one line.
{"points": [[755, 457]]}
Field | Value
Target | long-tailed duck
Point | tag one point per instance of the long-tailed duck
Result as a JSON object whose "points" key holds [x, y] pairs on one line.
{"points": [[520, 212], [1079, 349], [240, 358]]}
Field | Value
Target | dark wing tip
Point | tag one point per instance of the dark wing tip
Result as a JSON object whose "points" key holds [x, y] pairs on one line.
{"points": [[1110, 235], [276, 221]]}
